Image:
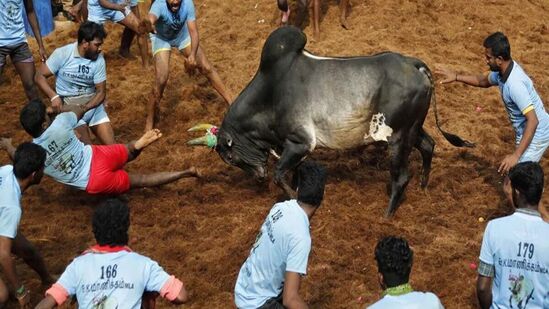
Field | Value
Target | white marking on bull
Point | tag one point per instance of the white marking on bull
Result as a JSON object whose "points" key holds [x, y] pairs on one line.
{"points": [[309, 55], [275, 154], [379, 130]]}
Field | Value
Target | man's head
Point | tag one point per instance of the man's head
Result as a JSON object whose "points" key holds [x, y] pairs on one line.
{"points": [[527, 183], [497, 50], [173, 5], [28, 163], [90, 39], [111, 222], [33, 118], [394, 261], [311, 179]]}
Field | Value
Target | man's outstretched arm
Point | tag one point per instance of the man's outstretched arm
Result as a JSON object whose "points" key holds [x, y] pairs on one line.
{"points": [[290, 294], [449, 76], [47, 303]]}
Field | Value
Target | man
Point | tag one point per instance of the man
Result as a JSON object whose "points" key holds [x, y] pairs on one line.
{"points": [[514, 257], [394, 263], [27, 170], [173, 24], [128, 34], [81, 75], [109, 274], [271, 275], [285, 13], [97, 169], [13, 41], [118, 11], [523, 104]]}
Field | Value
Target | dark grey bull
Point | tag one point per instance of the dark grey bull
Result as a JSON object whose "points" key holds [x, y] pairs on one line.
{"points": [[298, 101]]}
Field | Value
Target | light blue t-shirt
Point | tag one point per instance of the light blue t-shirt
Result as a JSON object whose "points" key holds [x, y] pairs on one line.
{"points": [[75, 75], [12, 27], [518, 248], [10, 202], [283, 244], [169, 25], [114, 280], [520, 96], [412, 300], [68, 160]]}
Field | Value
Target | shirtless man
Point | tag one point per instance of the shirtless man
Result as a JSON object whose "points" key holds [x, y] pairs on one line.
{"points": [[173, 24]]}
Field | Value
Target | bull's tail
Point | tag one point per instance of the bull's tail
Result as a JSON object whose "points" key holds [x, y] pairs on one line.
{"points": [[452, 138]]}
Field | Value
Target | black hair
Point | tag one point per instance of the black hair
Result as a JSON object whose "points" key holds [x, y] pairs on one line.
{"points": [[311, 179], [32, 117], [28, 158], [499, 45], [394, 260], [89, 31], [527, 178], [111, 222]]}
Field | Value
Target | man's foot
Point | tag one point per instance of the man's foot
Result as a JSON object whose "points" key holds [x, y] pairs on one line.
{"points": [[343, 22], [194, 172], [148, 138]]}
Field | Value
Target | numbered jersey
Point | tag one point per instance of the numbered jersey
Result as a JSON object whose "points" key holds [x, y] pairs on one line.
{"points": [[283, 244], [111, 280], [68, 160], [518, 248], [75, 75]]}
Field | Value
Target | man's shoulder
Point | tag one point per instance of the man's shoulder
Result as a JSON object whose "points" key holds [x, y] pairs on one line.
{"points": [[6, 170]]}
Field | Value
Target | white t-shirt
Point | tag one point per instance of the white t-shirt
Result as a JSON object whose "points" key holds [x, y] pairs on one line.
{"points": [[518, 247], [412, 300], [68, 160], [10, 202], [113, 280], [283, 244]]}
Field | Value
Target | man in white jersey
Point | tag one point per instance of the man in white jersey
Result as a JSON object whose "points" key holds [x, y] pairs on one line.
{"points": [[27, 170], [514, 257], [13, 41], [394, 263], [522, 103], [271, 275], [109, 274], [80, 75], [118, 11], [97, 169], [173, 25]]}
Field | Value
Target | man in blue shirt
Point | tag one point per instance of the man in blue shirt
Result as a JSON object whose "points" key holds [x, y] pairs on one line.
{"points": [[81, 75], [172, 23], [522, 103], [27, 170], [13, 41], [271, 275]]}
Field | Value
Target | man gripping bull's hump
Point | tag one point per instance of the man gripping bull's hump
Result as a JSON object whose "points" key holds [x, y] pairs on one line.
{"points": [[298, 101]]}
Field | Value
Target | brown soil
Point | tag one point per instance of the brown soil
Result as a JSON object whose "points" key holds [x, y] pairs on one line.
{"points": [[202, 230]]}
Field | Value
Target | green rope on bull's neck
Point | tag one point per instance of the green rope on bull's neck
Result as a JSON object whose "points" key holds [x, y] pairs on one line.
{"points": [[398, 290], [211, 140]]}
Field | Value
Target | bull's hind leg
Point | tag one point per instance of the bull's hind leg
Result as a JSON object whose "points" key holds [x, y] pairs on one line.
{"points": [[426, 146], [400, 149]]}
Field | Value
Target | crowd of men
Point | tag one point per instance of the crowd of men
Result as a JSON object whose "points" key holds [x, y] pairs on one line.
{"points": [[513, 270]]}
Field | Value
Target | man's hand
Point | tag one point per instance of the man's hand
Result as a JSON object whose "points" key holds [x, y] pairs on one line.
{"points": [[146, 26], [507, 163], [24, 298], [43, 53], [448, 75], [190, 65], [56, 105]]}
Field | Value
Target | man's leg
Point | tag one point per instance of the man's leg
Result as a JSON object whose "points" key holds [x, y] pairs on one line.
{"points": [[162, 70], [127, 36], [211, 73], [104, 133], [26, 71], [4, 293], [316, 19], [132, 22], [343, 6], [25, 250]]}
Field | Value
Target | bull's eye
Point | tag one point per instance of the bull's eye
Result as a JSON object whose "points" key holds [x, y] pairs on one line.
{"points": [[229, 142]]}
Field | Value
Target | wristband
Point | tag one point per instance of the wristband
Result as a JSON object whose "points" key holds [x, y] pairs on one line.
{"points": [[54, 97], [20, 290]]}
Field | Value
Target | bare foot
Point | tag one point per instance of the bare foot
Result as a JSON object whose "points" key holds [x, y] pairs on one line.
{"points": [[343, 22], [194, 172], [148, 138]]}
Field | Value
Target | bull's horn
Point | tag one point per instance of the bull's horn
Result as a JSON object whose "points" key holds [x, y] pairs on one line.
{"points": [[202, 126], [208, 140]]}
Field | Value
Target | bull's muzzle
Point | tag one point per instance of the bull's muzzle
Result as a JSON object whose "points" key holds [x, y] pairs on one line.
{"points": [[209, 139]]}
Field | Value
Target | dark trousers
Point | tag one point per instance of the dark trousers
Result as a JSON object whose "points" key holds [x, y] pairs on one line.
{"points": [[273, 303]]}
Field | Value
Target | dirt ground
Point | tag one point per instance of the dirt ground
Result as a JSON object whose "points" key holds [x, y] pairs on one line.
{"points": [[202, 230]]}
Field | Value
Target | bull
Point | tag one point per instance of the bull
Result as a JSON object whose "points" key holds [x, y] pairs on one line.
{"points": [[298, 101]]}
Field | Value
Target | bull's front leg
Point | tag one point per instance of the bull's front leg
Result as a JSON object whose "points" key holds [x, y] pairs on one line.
{"points": [[293, 154]]}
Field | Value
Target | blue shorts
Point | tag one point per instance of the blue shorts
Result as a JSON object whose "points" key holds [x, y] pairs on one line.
{"points": [[535, 151], [158, 44], [94, 116], [108, 15]]}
